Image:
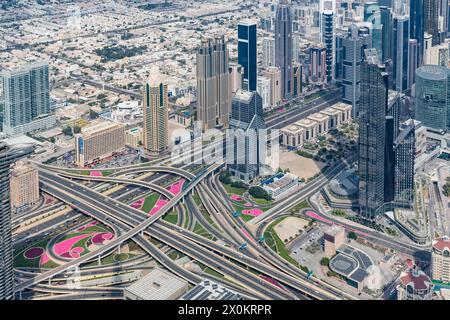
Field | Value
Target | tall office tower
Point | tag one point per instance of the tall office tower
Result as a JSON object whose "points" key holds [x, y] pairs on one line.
{"points": [[246, 118], [283, 46], [297, 84], [400, 53], [405, 154], [431, 19], [372, 134], [353, 44], [213, 84], [26, 93], [274, 74], [236, 77], [440, 260], [8, 155], [413, 51], [386, 37], [24, 186], [416, 26], [372, 15], [268, 54], [317, 62], [247, 55], [328, 40], [264, 91], [432, 97], [156, 114]]}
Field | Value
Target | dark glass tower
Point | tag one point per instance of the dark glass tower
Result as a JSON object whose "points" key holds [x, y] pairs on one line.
{"points": [[431, 19], [400, 53], [386, 35], [372, 134], [247, 55], [416, 26], [327, 38], [8, 155], [283, 46]]}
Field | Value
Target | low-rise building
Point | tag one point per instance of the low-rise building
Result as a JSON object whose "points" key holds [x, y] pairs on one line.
{"points": [[24, 185], [133, 137], [322, 122], [334, 117], [98, 141], [210, 290], [334, 237], [157, 285], [414, 284], [310, 128], [280, 185], [345, 110], [292, 136]]}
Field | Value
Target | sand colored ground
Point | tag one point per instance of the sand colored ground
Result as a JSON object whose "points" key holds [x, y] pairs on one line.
{"points": [[289, 227], [300, 166]]}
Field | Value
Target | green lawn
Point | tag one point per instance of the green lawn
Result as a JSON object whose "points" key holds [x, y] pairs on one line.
{"points": [[171, 218], [247, 217], [276, 243], [149, 202], [233, 190], [262, 202], [302, 205]]}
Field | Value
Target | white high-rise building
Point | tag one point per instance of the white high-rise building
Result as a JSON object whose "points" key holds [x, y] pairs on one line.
{"points": [[268, 53], [264, 91]]}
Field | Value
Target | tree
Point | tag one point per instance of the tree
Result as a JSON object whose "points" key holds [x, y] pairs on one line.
{"points": [[76, 129], [93, 115], [324, 261], [67, 131], [352, 235], [259, 193]]}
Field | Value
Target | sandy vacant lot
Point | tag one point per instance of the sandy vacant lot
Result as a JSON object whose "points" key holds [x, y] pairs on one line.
{"points": [[298, 165], [289, 227]]}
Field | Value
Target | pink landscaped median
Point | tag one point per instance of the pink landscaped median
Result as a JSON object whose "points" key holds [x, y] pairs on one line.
{"points": [[176, 188], [96, 174], [253, 212], [314, 215], [235, 197]]}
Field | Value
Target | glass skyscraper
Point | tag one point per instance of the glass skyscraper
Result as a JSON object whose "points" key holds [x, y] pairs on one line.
{"points": [[416, 26], [400, 53], [283, 46], [372, 134], [26, 92], [247, 53], [432, 97]]}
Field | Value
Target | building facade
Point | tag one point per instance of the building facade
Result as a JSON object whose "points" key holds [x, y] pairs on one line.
{"points": [[247, 53], [8, 155], [26, 92], [440, 260], [98, 141], [432, 97], [372, 133], [24, 186], [283, 46], [213, 84], [156, 115]]}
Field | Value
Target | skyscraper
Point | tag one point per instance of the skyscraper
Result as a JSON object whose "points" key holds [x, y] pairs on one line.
{"points": [[247, 55], [26, 93], [8, 155], [400, 53], [283, 46], [372, 132], [156, 114], [386, 37], [213, 84], [24, 186], [432, 97], [416, 26], [353, 44], [244, 155], [431, 19], [268, 54], [274, 74], [327, 38]]}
